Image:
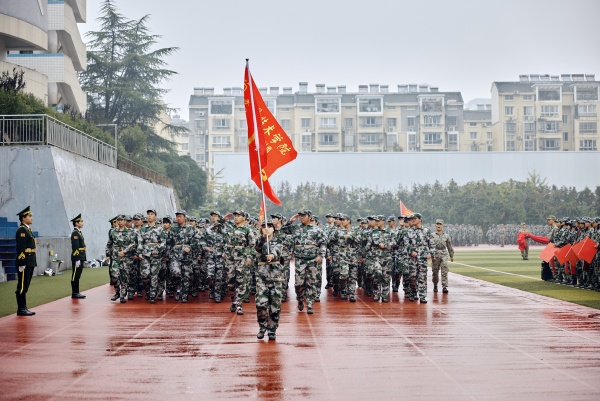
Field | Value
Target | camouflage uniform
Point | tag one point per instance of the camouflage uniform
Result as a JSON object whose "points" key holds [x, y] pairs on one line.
{"points": [[214, 247], [151, 248], [344, 241], [443, 249], [269, 283], [418, 240], [121, 240], [402, 259], [379, 261], [309, 244], [164, 274], [240, 248], [184, 238]]}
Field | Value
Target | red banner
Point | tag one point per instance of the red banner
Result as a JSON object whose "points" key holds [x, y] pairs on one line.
{"points": [[547, 255], [269, 147], [404, 211], [588, 250], [537, 238]]}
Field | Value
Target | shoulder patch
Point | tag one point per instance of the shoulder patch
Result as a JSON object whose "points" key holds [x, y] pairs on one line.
{"points": [[75, 237], [23, 235]]}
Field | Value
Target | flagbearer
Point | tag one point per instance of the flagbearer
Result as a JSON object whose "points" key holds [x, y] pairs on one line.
{"points": [[26, 260], [78, 256]]}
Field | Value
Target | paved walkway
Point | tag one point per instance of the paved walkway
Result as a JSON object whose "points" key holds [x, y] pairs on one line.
{"points": [[480, 342]]}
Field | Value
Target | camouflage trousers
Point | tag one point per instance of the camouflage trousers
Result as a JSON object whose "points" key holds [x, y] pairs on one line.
{"points": [[150, 268], [352, 279], [307, 274], [381, 271], [196, 277], [134, 282], [181, 275], [329, 271], [396, 273], [215, 267], [286, 271], [403, 267], [268, 303], [319, 280], [238, 276], [120, 272], [417, 277], [162, 277], [440, 263]]}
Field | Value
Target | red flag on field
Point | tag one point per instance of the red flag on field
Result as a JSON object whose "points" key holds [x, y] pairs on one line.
{"points": [[588, 250], [537, 238], [404, 211], [547, 253], [269, 147], [561, 253], [572, 258]]}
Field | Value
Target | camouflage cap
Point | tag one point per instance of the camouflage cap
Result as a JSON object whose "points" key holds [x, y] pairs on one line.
{"points": [[391, 218], [217, 213], [328, 215], [551, 217], [305, 211], [151, 211], [339, 215], [380, 217], [167, 219], [192, 218], [239, 212], [121, 217], [371, 218], [137, 216], [180, 211], [128, 218], [439, 221], [314, 218], [416, 216], [267, 222], [277, 216], [359, 220], [114, 219]]}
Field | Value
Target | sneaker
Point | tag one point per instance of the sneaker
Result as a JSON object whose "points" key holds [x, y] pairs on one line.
{"points": [[272, 336], [395, 289], [147, 297], [211, 295], [435, 288], [123, 300], [352, 298], [152, 301], [309, 310], [376, 299], [445, 290], [177, 297], [115, 297], [139, 294], [218, 299], [232, 308], [184, 300], [385, 299], [246, 301], [411, 299], [194, 295], [423, 300], [335, 293], [170, 295], [239, 311], [261, 334], [344, 296], [318, 299], [160, 297], [130, 297], [300, 306]]}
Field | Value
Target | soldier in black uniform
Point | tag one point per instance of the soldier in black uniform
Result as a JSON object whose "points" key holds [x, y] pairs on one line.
{"points": [[26, 260], [77, 256]]}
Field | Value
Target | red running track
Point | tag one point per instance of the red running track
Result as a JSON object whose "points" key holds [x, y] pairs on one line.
{"points": [[480, 342]]}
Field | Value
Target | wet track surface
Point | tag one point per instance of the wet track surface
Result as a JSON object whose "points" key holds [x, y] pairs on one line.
{"points": [[480, 342]]}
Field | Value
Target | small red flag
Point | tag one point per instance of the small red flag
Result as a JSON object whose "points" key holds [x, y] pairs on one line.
{"points": [[261, 214], [269, 147], [547, 253], [588, 250], [561, 253], [404, 211], [572, 258]]}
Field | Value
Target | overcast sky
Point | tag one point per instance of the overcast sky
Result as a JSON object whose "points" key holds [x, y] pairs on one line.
{"points": [[458, 45]]}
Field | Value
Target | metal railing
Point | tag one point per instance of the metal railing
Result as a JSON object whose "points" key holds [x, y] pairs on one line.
{"points": [[41, 129]]}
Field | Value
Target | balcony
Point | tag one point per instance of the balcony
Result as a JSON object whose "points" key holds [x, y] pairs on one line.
{"points": [[62, 19]]}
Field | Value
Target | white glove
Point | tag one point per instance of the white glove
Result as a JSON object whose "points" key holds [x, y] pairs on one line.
{"points": [[78, 263], [21, 268]]}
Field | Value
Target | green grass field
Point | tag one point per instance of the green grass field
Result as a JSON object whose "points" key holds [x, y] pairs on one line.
{"points": [[44, 289], [512, 271]]}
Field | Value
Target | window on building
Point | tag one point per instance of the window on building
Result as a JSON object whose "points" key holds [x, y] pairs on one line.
{"points": [[305, 108], [528, 110], [489, 136], [271, 105], [550, 144], [328, 139], [391, 140], [391, 122], [305, 123], [587, 144], [588, 127], [284, 109], [306, 143], [550, 111], [243, 124], [545, 95], [509, 110], [328, 105], [200, 124], [221, 107], [371, 122], [565, 118], [586, 110], [432, 106], [473, 136], [366, 105], [411, 142], [432, 138], [200, 158], [410, 123], [432, 121], [510, 128], [529, 145], [285, 124], [451, 121], [589, 94], [527, 97], [529, 127], [551, 126], [348, 122], [509, 97], [185, 146], [510, 146], [328, 122], [565, 136], [220, 141], [472, 124], [221, 123], [453, 139], [369, 139]]}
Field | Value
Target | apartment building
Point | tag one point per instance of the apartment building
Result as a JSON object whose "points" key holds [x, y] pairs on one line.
{"points": [[41, 37], [547, 112], [414, 118]]}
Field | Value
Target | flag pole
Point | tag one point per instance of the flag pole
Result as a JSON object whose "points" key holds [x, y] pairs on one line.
{"points": [[255, 123]]}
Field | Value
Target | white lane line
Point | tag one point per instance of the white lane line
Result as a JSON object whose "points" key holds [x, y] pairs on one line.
{"points": [[496, 271]]}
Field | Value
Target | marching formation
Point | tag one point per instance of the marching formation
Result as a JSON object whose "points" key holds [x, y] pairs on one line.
{"points": [[566, 233], [235, 255]]}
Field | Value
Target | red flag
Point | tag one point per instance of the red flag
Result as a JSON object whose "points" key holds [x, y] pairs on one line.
{"points": [[588, 250], [547, 255], [269, 147], [261, 214], [573, 259], [561, 253], [537, 238], [404, 211]]}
